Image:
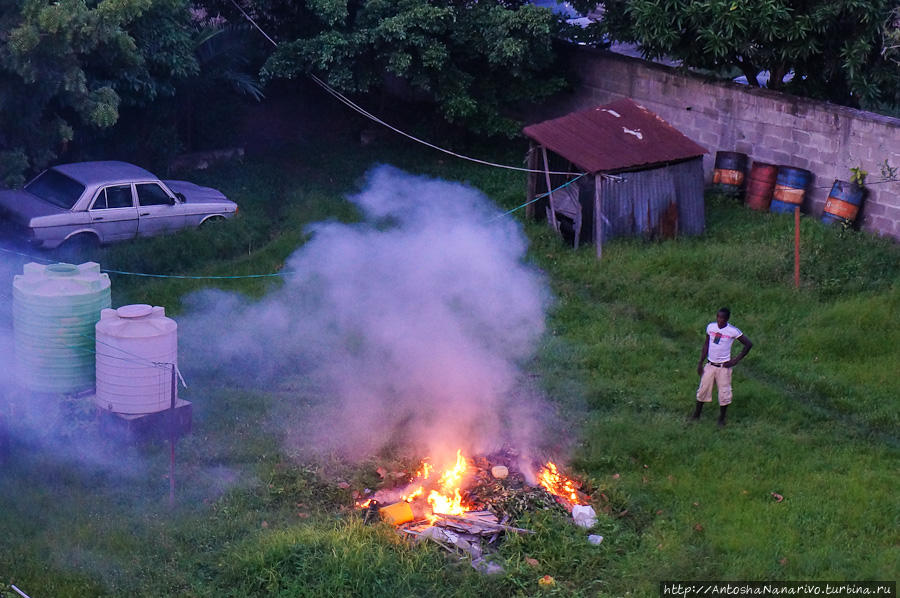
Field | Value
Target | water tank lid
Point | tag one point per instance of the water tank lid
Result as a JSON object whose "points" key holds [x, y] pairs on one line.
{"points": [[62, 269], [139, 310]]}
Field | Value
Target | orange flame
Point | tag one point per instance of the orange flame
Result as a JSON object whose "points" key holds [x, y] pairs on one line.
{"points": [[421, 474], [559, 485], [447, 499], [417, 492]]}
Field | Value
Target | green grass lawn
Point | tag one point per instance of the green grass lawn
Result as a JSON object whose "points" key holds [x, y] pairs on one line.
{"points": [[814, 420]]}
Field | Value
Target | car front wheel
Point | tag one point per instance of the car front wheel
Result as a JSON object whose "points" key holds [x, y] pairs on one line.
{"points": [[78, 249], [212, 221]]}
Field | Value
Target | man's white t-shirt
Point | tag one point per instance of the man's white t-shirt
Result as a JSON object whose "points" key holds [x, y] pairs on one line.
{"points": [[720, 340]]}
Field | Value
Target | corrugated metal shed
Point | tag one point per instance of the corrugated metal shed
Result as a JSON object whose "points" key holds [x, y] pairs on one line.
{"points": [[618, 136], [644, 177]]}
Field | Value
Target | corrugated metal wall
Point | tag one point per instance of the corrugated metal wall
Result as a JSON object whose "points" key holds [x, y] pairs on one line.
{"points": [[645, 202], [688, 179], [635, 204]]}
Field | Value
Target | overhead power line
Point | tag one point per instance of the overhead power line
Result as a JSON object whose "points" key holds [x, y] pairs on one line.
{"points": [[351, 104]]}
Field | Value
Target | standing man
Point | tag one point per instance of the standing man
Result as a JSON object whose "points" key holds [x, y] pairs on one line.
{"points": [[717, 348]]}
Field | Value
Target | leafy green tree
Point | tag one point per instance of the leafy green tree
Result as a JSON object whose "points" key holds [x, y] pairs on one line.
{"points": [[473, 59], [69, 66], [229, 58], [891, 33], [833, 48]]}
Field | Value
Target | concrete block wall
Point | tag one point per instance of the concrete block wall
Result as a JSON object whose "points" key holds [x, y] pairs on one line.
{"points": [[768, 126]]}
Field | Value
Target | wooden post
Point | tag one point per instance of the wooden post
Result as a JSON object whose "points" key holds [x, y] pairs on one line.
{"points": [[797, 247], [4, 439], [598, 215], [553, 221], [531, 187], [172, 439]]}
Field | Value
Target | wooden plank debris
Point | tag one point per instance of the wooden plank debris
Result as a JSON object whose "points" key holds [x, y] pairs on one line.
{"points": [[477, 525], [497, 533]]}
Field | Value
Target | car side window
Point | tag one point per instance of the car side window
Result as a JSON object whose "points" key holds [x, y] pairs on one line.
{"points": [[119, 196], [100, 201], [151, 194]]}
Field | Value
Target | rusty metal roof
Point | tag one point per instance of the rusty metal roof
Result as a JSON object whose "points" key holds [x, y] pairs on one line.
{"points": [[618, 136]]}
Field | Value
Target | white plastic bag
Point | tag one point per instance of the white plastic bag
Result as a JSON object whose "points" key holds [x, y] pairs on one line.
{"points": [[584, 516]]}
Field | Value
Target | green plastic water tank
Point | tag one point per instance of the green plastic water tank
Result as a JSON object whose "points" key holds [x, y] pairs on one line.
{"points": [[55, 309]]}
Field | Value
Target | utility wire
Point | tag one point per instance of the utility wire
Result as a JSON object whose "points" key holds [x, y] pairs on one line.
{"points": [[348, 102], [284, 272], [538, 198], [29, 256], [289, 272], [881, 182], [133, 357], [184, 276]]}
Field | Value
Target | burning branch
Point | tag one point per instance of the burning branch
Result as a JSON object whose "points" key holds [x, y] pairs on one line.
{"points": [[565, 489]]}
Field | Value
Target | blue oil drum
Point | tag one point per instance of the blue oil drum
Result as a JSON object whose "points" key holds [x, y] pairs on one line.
{"points": [[729, 173], [843, 203], [790, 189]]}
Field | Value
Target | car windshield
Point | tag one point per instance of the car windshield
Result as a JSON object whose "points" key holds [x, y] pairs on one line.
{"points": [[56, 188]]}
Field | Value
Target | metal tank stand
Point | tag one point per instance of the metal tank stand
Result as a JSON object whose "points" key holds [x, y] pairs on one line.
{"points": [[148, 426]]}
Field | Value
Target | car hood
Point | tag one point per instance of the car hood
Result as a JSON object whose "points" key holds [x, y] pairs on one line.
{"points": [[20, 206], [197, 194]]}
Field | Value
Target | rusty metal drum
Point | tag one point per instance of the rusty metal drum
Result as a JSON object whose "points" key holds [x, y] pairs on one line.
{"points": [[843, 203], [761, 186], [729, 173], [790, 189]]}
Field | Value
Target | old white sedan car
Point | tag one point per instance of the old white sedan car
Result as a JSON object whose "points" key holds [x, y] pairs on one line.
{"points": [[90, 203]]}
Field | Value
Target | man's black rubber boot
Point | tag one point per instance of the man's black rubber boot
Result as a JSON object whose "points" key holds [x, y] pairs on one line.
{"points": [[697, 411], [722, 410]]}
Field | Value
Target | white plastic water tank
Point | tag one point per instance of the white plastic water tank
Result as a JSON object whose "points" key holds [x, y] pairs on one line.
{"points": [[136, 345], [55, 309]]}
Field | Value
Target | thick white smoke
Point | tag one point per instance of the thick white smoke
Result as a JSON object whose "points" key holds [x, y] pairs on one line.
{"points": [[412, 324], [46, 423], [8, 269]]}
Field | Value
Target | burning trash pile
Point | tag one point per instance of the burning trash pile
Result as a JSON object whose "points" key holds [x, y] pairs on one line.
{"points": [[470, 503]]}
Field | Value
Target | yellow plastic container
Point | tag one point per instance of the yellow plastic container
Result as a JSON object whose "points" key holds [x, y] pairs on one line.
{"points": [[397, 513]]}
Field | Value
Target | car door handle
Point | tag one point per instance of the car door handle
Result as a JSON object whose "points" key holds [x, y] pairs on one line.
{"points": [[98, 218], [145, 213]]}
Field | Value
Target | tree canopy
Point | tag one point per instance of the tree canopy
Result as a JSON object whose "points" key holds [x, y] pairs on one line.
{"points": [[473, 59], [69, 68], [70, 65], [836, 50]]}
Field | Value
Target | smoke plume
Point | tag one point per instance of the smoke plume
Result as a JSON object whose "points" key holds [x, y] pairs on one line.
{"points": [[40, 427], [409, 327]]}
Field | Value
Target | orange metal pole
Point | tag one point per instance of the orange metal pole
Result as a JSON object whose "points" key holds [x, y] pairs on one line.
{"points": [[797, 248]]}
